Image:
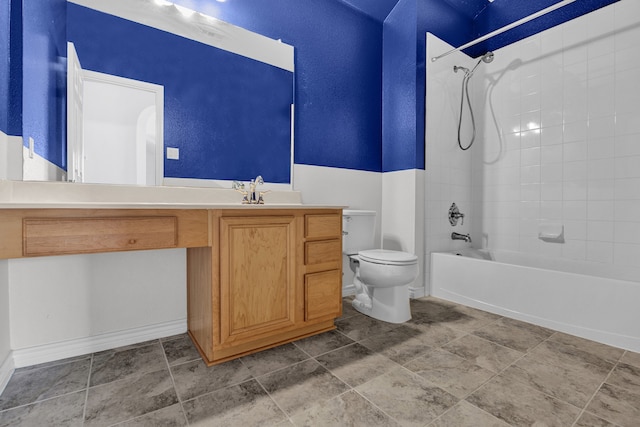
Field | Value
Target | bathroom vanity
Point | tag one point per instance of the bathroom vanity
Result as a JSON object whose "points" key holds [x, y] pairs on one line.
{"points": [[257, 276], [269, 277]]}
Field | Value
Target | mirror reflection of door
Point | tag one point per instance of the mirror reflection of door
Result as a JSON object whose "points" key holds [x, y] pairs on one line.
{"points": [[121, 129], [75, 92]]}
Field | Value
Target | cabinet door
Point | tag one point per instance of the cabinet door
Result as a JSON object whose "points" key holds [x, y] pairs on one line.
{"points": [[323, 295], [257, 277]]}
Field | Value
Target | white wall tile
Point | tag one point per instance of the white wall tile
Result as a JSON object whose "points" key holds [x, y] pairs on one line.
{"points": [[570, 146], [602, 127], [600, 148], [530, 156], [575, 230], [599, 169], [551, 135], [627, 189], [575, 171], [626, 254], [574, 151], [600, 210], [600, 252], [601, 190], [575, 249], [600, 231], [627, 232], [530, 174], [627, 145], [551, 191], [575, 131], [575, 209], [551, 154], [627, 123], [574, 190], [627, 167]]}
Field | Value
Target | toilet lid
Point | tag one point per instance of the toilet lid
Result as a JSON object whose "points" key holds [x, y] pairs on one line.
{"points": [[385, 256]]}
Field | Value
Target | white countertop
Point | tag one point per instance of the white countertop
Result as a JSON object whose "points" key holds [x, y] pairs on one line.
{"points": [[64, 195]]}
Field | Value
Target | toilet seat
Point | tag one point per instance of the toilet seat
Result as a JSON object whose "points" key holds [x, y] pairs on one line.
{"points": [[387, 257]]}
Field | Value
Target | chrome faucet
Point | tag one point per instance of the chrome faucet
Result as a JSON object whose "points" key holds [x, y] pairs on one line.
{"points": [[458, 236], [251, 196]]}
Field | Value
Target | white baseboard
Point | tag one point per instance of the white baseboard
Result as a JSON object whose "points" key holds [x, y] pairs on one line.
{"points": [[6, 370], [71, 348], [416, 292], [348, 290]]}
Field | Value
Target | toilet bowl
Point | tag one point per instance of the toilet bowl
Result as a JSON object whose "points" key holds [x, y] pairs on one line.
{"points": [[382, 277]]}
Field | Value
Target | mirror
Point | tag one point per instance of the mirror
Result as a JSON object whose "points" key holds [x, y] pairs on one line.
{"points": [[228, 92]]}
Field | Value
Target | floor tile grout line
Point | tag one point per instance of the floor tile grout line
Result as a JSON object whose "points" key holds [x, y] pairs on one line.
{"points": [[173, 382], [138, 375], [614, 364], [37, 402], [500, 373], [273, 400], [584, 409], [375, 406], [86, 395], [89, 356]]}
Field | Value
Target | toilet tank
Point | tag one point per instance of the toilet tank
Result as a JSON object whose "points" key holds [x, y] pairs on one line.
{"points": [[358, 230]]}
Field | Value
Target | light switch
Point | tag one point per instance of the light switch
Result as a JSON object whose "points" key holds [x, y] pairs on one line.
{"points": [[173, 153]]}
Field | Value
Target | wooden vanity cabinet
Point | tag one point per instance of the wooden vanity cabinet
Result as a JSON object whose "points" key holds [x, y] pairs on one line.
{"points": [[270, 277]]}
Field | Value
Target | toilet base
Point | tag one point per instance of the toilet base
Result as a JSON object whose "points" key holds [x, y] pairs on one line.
{"points": [[387, 304]]}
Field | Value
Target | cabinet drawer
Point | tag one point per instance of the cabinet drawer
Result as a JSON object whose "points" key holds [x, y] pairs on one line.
{"points": [[322, 251], [323, 295], [58, 236], [329, 225]]}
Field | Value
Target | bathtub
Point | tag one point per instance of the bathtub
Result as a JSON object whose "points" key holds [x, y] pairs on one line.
{"points": [[597, 308]]}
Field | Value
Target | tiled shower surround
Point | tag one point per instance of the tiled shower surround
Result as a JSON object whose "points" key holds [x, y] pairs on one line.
{"points": [[558, 118]]}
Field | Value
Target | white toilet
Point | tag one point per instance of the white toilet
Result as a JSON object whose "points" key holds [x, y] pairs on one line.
{"points": [[382, 277]]}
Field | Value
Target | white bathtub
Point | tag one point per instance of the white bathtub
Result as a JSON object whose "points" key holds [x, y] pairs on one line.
{"points": [[597, 308]]}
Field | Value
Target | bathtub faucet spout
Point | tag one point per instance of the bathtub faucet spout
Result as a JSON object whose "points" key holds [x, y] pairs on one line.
{"points": [[458, 236]]}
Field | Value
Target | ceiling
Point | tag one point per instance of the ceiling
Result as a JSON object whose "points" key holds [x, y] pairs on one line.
{"points": [[379, 9]]}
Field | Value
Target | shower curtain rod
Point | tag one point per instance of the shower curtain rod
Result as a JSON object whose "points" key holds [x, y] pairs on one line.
{"points": [[506, 28]]}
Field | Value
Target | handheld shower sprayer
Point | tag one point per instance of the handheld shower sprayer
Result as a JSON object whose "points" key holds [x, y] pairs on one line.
{"points": [[486, 58]]}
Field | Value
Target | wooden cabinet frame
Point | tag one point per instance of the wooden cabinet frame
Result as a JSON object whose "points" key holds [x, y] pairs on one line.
{"points": [[298, 251], [211, 297]]}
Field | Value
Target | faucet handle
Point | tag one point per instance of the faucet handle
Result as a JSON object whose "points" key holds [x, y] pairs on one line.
{"points": [[260, 198], [454, 215]]}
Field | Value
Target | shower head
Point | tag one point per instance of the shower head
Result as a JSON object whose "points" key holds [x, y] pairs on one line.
{"points": [[487, 57]]}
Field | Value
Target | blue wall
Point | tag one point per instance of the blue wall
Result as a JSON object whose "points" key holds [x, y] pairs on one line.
{"points": [[228, 115], [338, 74], [44, 78], [11, 67], [5, 28], [399, 97], [404, 75]]}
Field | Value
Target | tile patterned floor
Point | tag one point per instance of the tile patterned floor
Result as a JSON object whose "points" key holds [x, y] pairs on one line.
{"points": [[450, 365]]}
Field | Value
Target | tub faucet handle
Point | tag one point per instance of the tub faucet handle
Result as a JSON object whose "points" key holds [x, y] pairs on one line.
{"points": [[454, 215]]}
